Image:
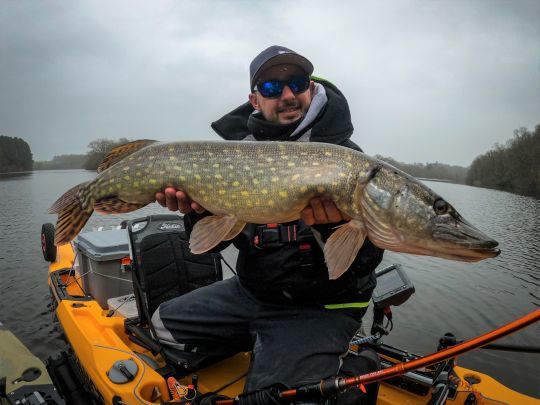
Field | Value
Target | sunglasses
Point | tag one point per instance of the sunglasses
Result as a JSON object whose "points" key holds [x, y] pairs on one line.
{"points": [[273, 88]]}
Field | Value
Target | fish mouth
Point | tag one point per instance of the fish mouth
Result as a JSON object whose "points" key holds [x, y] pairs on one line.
{"points": [[472, 255], [464, 242], [450, 238]]}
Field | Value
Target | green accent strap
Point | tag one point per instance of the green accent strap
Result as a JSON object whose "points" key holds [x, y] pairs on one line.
{"points": [[347, 305]]}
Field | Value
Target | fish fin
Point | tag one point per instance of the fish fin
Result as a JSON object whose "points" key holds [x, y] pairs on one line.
{"points": [[342, 247], [210, 231], [67, 198], [235, 230], [114, 205], [72, 215], [118, 153]]}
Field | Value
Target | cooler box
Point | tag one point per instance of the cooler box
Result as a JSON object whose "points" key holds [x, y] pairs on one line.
{"points": [[100, 254]]}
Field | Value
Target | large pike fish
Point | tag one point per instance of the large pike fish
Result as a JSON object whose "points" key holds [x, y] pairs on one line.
{"points": [[271, 182]]}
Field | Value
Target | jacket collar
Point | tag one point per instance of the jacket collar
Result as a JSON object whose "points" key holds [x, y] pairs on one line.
{"points": [[330, 120]]}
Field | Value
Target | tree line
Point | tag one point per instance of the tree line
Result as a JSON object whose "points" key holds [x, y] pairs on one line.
{"points": [[15, 155], [435, 171], [514, 167], [90, 161], [62, 162]]}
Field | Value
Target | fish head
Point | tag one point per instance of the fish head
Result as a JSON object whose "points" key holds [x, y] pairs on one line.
{"points": [[404, 215]]}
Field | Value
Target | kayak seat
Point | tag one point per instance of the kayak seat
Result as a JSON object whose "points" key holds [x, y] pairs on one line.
{"points": [[164, 268]]}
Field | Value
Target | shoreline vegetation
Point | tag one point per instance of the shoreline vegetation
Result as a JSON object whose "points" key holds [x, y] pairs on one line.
{"points": [[15, 155], [513, 167]]}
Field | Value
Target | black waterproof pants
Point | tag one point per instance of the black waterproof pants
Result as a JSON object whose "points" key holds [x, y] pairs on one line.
{"points": [[291, 345]]}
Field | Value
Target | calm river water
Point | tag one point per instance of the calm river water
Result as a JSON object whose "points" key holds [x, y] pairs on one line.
{"points": [[466, 299]]}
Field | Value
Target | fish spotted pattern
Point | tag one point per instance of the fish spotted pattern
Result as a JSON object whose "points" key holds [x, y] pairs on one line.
{"points": [[271, 182]]}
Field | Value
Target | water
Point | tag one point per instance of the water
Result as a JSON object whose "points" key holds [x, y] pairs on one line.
{"points": [[462, 298]]}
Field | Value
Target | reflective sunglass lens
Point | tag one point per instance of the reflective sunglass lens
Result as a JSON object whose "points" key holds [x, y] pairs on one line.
{"points": [[274, 88], [298, 84], [270, 88]]}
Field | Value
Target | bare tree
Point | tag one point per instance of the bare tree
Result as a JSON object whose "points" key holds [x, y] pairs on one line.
{"points": [[99, 149]]}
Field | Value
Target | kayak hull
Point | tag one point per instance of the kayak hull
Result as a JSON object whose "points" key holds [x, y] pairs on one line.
{"points": [[23, 377], [98, 341]]}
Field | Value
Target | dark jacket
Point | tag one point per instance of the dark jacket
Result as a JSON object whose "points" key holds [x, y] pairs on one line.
{"points": [[294, 271]]}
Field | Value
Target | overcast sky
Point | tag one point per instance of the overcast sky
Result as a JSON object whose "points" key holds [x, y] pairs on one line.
{"points": [[426, 80]]}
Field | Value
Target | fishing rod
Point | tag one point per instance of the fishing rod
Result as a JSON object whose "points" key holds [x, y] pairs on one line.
{"points": [[332, 386], [513, 348]]}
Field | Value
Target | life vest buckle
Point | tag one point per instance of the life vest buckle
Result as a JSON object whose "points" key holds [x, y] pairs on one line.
{"points": [[274, 235]]}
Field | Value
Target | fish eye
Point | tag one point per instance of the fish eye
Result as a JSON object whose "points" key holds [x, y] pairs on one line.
{"points": [[440, 206]]}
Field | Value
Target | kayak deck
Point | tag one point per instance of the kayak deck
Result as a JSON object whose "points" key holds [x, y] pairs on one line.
{"points": [[99, 341]]}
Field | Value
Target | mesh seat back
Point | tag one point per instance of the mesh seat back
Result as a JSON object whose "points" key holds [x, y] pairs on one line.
{"points": [[164, 267]]}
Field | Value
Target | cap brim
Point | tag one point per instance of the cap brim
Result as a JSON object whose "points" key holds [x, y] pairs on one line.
{"points": [[284, 59]]}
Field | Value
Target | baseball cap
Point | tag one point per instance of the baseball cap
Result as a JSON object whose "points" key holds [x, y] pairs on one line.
{"points": [[276, 55]]}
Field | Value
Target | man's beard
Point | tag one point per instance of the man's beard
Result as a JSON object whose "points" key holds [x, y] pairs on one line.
{"points": [[288, 105]]}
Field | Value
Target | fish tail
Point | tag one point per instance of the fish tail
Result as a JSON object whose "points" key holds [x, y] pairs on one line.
{"points": [[72, 215]]}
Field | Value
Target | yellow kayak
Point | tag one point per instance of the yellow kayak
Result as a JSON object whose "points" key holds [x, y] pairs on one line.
{"points": [[115, 366]]}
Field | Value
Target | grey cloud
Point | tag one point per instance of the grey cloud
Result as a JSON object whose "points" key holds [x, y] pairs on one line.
{"points": [[426, 81]]}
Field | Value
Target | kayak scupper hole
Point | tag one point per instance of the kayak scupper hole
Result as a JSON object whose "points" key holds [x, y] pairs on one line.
{"points": [[472, 379], [28, 375]]}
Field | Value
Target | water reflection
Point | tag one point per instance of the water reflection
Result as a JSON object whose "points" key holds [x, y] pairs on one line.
{"points": [[14, 176]]}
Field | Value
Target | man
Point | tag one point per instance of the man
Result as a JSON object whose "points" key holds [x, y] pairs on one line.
{"points": [[281, 304]]}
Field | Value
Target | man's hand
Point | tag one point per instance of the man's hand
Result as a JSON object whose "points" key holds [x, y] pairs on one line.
{"points": [[319, 210], [176, 200], [322, 211]]}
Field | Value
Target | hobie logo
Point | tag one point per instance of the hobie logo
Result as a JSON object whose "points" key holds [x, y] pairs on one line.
{"points": [[168, 226]]}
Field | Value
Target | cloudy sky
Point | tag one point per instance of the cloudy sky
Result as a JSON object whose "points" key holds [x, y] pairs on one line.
{"points": [[426, 80]]}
